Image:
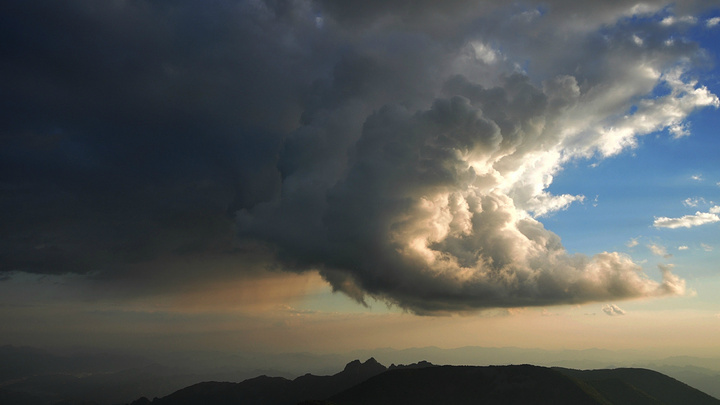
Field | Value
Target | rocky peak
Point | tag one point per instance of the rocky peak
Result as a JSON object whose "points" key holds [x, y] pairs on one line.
{"points": [[369, 368]]}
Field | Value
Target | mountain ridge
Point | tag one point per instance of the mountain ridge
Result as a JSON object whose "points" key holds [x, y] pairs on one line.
{"points": [[33, 376], [424, 383], [272, 390]]}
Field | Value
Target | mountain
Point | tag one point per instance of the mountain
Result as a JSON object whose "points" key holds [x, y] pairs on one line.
{"points": [[639, 386], [423, 383], [706, 380], [459, 385], [521, 384], [272, 390], [30, 376]]}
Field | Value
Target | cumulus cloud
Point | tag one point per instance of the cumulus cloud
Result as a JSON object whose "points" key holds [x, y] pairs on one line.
{"points": [[683, 247], [687, 221], [612, 310], [403, 152]]}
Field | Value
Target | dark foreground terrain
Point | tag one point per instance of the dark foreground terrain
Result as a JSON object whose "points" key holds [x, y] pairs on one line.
{"points": [[35, 377], [424, 383]]}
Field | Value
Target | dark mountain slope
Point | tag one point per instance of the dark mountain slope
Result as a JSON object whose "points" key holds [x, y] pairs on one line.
{"points": [[425, 384], [470, 385], [273, 390], [636, 386]]}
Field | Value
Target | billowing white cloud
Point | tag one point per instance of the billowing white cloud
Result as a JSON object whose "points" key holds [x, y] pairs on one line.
{"points": [[612, 310], [403, 153], [686, 221], [683, 247], [417, 177]]}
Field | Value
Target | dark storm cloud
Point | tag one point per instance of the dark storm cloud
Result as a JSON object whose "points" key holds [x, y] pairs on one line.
{"points": [[398, 147], [413, 222], [132, 129]]}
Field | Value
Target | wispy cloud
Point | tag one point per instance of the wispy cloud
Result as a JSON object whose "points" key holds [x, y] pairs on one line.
{"points": [[712, 22], [693, 202], [688, 221], [632, 243], [683, 247], [658, 250], [679, 130], [671, 20]]}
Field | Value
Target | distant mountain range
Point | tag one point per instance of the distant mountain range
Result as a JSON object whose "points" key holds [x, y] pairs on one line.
{"points": [[421, 384], [31, 376], [265, 390]]}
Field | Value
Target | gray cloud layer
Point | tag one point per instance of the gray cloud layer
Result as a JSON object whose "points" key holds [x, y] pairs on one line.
{"points": [[404, 151]]}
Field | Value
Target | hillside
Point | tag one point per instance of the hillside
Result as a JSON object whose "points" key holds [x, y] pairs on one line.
{"points": [[424, 383], [639, 386], [461, 385], [272, 390]]}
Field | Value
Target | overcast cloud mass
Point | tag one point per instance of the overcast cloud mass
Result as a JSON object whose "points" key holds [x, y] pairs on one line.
{"points": [[402, 149]]}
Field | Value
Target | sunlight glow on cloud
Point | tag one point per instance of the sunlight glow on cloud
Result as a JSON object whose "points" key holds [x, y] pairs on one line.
{"points": [[612, 310], [485, 53], [403, 157], [435, 208]]}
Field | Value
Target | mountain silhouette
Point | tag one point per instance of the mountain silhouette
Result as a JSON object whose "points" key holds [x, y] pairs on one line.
{"points": [[522, 384], [272, 390], [423, 383], [639, 386]]}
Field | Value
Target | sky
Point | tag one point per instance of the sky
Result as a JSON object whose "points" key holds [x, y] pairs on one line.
{"points": [[323, 176]]}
